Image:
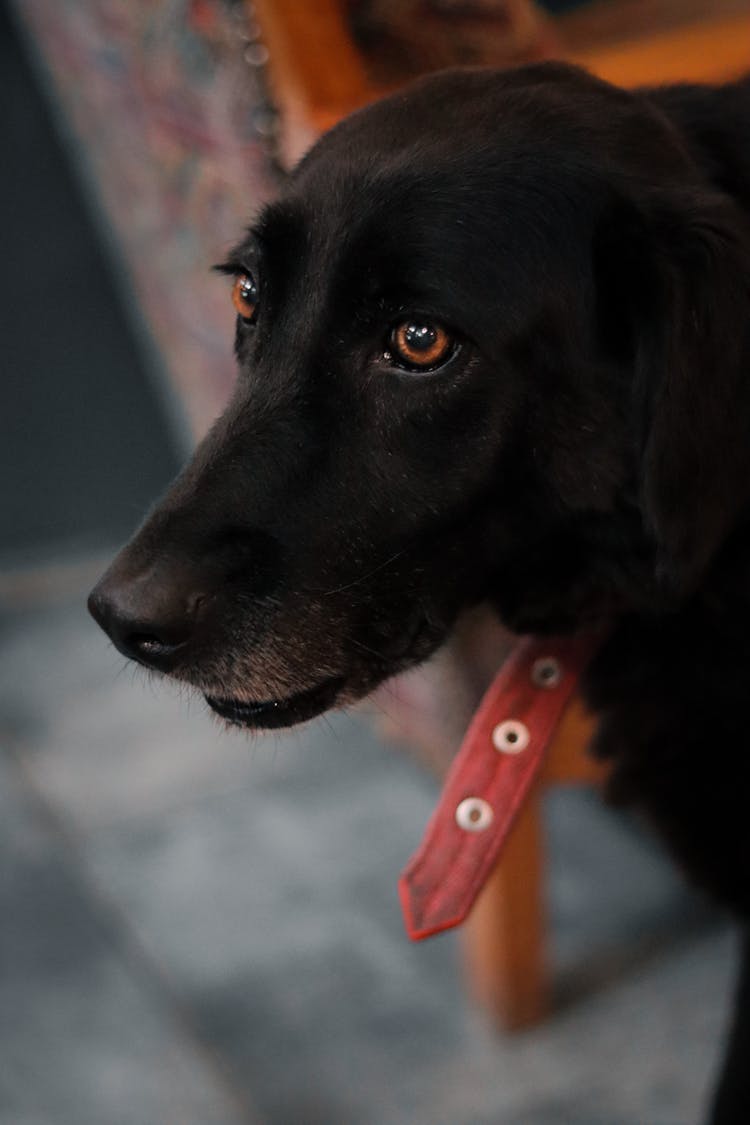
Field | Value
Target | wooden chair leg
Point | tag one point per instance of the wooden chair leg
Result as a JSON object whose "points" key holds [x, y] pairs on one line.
{"points": [[504, 941]]}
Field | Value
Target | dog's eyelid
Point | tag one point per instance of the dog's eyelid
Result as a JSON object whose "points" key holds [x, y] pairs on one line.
{"points": [[236, 269], [412, 373], [243, 259]]}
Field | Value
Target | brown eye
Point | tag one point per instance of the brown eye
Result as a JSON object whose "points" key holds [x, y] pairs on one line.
{"points": [[245, 296], [420, 346]]}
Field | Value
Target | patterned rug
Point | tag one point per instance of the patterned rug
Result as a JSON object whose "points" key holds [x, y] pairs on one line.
{"points": [[162, 110]]}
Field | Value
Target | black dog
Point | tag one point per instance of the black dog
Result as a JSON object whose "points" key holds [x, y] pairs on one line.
{"points": [[494, 345]]}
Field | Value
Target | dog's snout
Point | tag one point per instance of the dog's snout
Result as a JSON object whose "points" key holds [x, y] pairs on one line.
{"points": [[149, 619]]}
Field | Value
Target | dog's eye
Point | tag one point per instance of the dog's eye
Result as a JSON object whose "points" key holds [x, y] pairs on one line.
{"points": [[245, 296], [420, 346]]}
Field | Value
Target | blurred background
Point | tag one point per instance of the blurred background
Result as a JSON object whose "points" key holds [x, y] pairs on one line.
{"points": [[198, 927]]}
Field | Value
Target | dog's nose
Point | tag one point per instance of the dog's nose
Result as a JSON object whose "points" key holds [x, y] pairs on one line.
{"points": [[148, 620]]}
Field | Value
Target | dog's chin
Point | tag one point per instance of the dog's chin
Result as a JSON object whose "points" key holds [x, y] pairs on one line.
{"points": [[348, 687], [271, 714]]}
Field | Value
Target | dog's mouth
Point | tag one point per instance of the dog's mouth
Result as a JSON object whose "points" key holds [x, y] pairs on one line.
{"points": [[269, 714]]}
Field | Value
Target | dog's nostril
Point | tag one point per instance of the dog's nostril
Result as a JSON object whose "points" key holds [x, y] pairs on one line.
{"points": [[146, 620], [150, 647]]}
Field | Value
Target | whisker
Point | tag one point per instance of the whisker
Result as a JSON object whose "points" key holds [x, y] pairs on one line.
{"points": [[363, 577], [365, 648], [331, 728], [376, 705]]}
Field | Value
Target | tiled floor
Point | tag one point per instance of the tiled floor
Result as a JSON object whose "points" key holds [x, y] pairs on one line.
{"points": [[199, 927]]}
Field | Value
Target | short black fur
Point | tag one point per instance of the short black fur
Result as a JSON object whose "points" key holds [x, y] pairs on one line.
{"points": [[583, 454]]}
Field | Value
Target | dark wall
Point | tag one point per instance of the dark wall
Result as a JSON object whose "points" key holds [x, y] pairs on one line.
{"points": [[85, 444]]}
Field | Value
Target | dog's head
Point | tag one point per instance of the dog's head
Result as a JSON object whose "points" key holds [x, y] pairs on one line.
{"points": [[489, 344]]}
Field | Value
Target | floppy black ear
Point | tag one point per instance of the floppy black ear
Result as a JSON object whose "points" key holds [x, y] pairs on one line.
{"points": [[692, 391]]}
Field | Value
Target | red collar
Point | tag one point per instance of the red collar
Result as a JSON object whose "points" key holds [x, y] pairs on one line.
{"points": [[489, 780]]}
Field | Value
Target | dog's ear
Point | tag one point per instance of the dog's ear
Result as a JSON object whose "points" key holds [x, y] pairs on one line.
{"points": [[687, 269]]}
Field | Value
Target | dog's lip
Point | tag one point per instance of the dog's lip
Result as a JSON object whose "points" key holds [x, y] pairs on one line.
{"points": [[272, 713]]}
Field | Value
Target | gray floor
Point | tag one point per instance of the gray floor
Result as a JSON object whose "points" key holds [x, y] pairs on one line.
{"points": [[199, 927]]}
